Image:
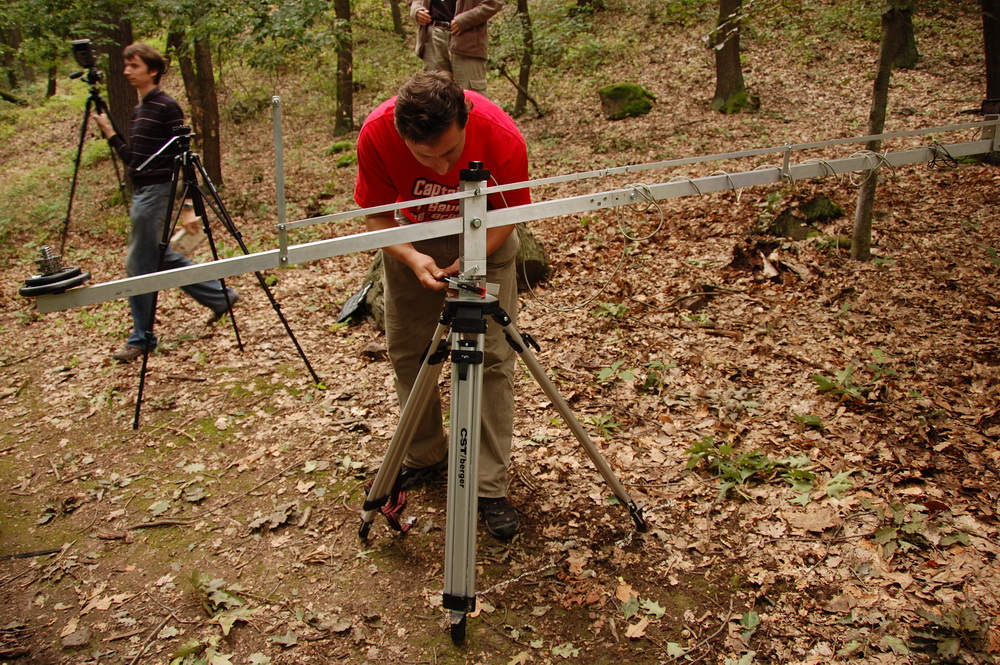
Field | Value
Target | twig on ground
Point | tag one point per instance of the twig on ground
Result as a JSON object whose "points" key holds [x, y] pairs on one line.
{"points": [[22, 359], [149, 640]]}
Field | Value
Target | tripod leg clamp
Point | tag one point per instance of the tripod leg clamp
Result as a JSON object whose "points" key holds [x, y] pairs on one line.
{"points": [[391, 506], [459, 603]]}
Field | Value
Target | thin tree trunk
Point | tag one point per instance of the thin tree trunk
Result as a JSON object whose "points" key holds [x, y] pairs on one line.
{"points": [[11, 38], [176, 45], [345, 68], [730, 89], [211, 150], [397, 18], [907, 55], [199, 86], [527, 57], [50, 88], [893, 38], [122, 97], [991, 46]]}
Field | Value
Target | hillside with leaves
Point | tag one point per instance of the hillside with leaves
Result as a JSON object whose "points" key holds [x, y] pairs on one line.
{"points": [[813, 440]]}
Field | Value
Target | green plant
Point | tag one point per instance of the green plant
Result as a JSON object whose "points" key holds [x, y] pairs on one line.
{"points": [[992, 253], [347, 159], [611, 310], [737, 470], [749, 621], [654, 376], [606, 426], [615, 374], [340, 146], [196, 652], [734, 469], [809, 420], [845, 384]]}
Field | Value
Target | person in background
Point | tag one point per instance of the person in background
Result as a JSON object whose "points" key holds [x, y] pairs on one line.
{"points": [[452, 37], [152, 126]]}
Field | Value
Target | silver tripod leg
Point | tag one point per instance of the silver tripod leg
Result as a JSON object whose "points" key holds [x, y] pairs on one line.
{"points": [[522, 346], [468, 342], [420, 395]]}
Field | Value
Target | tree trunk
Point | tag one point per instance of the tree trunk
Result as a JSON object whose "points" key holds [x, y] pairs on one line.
{"points": [[11, 39], [893, 40], [907, 56], [199, 86], [991, 46], [50, 88], [345, 68], [397, 18], [211, 150], [730, 90], [527, 57], [176, 45], [122, 97]]}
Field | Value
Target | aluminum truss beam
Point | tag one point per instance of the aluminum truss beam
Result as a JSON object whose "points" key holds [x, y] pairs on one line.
{"points": [[679, 187]]}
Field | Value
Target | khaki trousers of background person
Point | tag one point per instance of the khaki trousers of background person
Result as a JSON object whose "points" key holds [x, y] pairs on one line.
{"points": [[469, 73], [411, 316]]}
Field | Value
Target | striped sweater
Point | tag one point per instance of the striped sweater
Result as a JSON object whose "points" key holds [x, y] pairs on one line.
{"points": [[153, 122]]}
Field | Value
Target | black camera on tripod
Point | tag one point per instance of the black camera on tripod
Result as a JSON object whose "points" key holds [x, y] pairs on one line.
{"points": [[83, 51]]}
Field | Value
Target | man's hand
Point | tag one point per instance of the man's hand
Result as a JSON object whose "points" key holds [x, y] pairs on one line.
{"points": [[104, 123], [430, 275], [423, 266], [423, 17], [192, 226]]}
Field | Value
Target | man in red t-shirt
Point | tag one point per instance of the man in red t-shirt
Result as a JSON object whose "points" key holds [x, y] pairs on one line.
{"points": [[413, 146]]}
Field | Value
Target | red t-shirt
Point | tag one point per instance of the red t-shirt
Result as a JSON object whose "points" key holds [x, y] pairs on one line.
{"points": [[388, 172]]}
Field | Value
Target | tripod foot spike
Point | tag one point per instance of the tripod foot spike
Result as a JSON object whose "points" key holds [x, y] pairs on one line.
{"points": [[365, 529], [459, 621], [641, 525]]}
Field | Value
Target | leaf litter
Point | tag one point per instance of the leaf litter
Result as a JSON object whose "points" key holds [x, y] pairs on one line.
{"points": [[851, 411]]}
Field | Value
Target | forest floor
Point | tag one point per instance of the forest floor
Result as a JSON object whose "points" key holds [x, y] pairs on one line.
{"points": [[814, 440]]}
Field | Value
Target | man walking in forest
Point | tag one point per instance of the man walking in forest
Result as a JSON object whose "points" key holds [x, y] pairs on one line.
{"points": [[413, 146], [153, 122], [452, 37]]}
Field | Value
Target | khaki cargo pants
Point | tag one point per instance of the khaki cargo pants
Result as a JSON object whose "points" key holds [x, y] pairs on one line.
{"points": [[411, 316]]}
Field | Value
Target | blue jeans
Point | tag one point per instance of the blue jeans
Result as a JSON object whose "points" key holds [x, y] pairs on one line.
{"points": [[149, 211]]}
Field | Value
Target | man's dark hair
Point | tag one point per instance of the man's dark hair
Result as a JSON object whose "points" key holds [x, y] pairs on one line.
{"points": [[428, 104], [154, 59]]}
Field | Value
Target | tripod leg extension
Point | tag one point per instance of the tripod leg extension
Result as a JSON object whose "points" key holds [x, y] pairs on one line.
{"points": [[420, 396], [519, 343], [463, 481]]}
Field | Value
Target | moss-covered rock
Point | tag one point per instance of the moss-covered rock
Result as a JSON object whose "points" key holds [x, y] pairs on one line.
{"points": [[798, 222], [625, 100]]}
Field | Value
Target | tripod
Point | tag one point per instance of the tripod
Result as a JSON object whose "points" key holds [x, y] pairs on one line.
{"points": [[94, 101], [460, 334], [188, 166]]}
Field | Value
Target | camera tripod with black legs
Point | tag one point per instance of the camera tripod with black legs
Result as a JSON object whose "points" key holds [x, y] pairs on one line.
{"points": [[85, 57], [188, 169], [460, 335]]}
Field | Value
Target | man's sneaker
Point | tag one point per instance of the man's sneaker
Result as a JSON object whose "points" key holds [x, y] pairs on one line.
{"points": [[410, 477], [214, 318], [500, 517], [126, 354]]}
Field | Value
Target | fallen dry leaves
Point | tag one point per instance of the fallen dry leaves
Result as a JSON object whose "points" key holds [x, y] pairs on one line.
{"points": [[247, 478]]}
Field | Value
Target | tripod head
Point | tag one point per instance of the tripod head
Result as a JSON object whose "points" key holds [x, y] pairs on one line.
{"points": [[182, 136], [84, 54]]}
